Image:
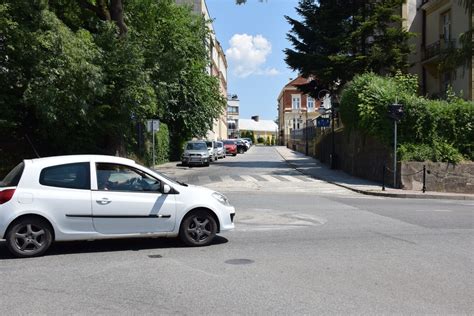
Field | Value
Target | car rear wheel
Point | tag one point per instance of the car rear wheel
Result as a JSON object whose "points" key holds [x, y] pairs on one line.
{"points": [[29, 237], [198, 228]]}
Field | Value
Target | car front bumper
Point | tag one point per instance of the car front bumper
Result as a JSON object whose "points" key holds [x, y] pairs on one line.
{"points": [[198, 160]]}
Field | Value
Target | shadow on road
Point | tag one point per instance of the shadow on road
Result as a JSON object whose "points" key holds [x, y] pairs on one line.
{"points": [[113, 245]]}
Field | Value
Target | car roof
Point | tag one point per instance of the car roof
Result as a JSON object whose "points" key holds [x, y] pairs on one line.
{"points": [[196, 141], [78, 158]]}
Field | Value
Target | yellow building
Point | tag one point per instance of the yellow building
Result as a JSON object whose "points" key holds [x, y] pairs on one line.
{"points": [[438, 25]]}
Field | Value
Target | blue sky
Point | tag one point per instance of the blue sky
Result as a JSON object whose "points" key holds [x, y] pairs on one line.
{"points": [[253, 37]]}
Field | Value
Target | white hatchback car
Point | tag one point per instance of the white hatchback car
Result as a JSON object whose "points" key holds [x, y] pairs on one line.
{"points": [[86, 197]]}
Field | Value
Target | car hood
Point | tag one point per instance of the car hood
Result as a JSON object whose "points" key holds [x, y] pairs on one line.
{"points": [[195, 152]]}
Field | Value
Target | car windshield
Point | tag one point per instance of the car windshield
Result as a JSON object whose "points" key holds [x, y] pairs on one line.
{"points": [[13, 177], [162, 175], [196, 146], [229, 142]]}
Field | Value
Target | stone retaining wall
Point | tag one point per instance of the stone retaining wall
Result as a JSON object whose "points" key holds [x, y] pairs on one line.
{"points": [[363, 156], [440, 176]]}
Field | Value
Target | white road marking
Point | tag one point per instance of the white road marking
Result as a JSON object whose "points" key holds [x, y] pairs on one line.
{"points": [[449, 211], [292, 178]]}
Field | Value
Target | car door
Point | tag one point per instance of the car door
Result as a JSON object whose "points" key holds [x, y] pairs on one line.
{"points": [[65, 192], [128, 201]]}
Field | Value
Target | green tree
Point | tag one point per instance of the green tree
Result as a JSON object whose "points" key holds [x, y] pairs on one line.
{"points": [[76, 81], [337, 39]]}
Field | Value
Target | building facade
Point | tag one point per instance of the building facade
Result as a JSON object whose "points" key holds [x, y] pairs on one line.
{"points": [[233, 108], [296, 110], [217, 67], [438, 25], [266, 129]]}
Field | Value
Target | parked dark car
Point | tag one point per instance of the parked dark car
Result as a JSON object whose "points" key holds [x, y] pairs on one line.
{"points": [[241, 147]]}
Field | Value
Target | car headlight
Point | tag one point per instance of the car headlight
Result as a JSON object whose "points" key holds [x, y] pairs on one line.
{"points": [[221, 198]]}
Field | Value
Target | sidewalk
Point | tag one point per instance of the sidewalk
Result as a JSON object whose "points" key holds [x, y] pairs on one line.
{"points": [[314, 168]]}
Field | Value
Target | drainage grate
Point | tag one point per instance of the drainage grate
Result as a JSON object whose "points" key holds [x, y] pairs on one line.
{"points": [[239, 261], [155, 256]]}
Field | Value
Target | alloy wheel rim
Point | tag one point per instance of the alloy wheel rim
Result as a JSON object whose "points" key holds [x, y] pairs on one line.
{"points": [[29, 238], [199, 229]]}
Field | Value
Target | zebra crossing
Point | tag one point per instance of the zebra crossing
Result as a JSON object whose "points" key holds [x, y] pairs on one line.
{"points": [[269, 178]]}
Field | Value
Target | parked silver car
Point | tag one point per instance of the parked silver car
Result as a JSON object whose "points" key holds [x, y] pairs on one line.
{"points": [[195, 152], [220, 150], [212, 149]]}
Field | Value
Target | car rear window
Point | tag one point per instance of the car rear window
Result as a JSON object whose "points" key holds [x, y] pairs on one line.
{"points": [[13, 177], [229, 142], [69, 176]]}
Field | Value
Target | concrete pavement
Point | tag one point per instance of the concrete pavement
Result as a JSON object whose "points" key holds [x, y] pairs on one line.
{"points": [[314, 168]]}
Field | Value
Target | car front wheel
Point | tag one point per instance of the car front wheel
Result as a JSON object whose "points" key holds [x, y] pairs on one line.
{"points": [[29, 237], [198, 228]]}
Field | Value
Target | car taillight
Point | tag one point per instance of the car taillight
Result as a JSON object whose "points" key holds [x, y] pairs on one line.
{"points": [[6, 195]]}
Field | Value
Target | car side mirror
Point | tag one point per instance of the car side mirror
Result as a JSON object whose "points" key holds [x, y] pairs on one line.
{"points": [[166, 189]]}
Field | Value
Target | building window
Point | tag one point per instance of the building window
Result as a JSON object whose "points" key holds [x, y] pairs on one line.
{"points": [[446, 26], [310, 102], [295, 101], [445, 82], [232, 110]]}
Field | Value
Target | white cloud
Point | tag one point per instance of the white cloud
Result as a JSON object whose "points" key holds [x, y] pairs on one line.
{"points": [[247, 54]]}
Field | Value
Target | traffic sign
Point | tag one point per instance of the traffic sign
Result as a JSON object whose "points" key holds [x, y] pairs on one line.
{"points": [[322, 122]]}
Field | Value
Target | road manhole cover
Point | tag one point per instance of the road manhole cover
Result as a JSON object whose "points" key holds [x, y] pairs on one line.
{"points": [[239, 261], [155, 256]]}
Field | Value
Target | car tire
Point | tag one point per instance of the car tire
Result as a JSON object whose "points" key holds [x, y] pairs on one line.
{"points": [[234, 155], [29, 237], [206, 164], [198, 228]]}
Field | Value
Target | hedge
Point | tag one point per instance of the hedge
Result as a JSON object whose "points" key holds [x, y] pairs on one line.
{"points": [[437, 130]]}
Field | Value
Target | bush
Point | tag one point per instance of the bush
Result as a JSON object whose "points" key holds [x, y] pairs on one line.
{"points": [[260, 140], [440, 151], [438, 130], [162, 146]]}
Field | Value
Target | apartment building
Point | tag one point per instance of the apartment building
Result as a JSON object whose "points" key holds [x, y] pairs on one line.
{"points": [[217, 67], [233, 107], [438, 25], [295, 109]]}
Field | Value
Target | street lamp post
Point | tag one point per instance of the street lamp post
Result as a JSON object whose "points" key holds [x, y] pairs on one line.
{"points": [[306, 132], [333, 145]]}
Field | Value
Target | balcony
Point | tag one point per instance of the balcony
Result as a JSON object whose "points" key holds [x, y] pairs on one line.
{"points": [[433, 51]]}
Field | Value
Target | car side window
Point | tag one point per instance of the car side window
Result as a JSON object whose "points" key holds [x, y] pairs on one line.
{"points": [[115, 177], [69, 176]]}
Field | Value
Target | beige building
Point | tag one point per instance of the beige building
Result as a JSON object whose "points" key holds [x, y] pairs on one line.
{"points": [[261, 128], [295, 109], [438, 25], [217, 68]]}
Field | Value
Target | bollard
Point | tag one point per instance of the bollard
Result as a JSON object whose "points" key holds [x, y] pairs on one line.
{"points": [[424, 179], [383, 178]]}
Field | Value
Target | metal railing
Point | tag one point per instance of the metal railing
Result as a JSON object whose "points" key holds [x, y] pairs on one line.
{"points": [[436, 48]]}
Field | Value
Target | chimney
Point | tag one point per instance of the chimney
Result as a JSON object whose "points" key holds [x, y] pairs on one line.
{"points": [[255, 118]]}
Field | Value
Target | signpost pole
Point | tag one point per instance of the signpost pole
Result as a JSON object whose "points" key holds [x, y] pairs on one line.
{"points": [[153, 135], [395, 154]]}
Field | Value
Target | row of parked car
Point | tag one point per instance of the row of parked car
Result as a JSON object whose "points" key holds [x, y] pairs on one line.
{"points": [[200, 152]]}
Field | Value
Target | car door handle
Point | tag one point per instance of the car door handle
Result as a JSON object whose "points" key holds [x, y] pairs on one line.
{"points": [[103, 201]]}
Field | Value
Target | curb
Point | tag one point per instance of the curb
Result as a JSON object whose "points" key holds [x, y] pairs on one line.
{"points": [[383, 194]]}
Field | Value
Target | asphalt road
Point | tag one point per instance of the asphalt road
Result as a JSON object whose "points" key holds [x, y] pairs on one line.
{"points": [[301, 246]]}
